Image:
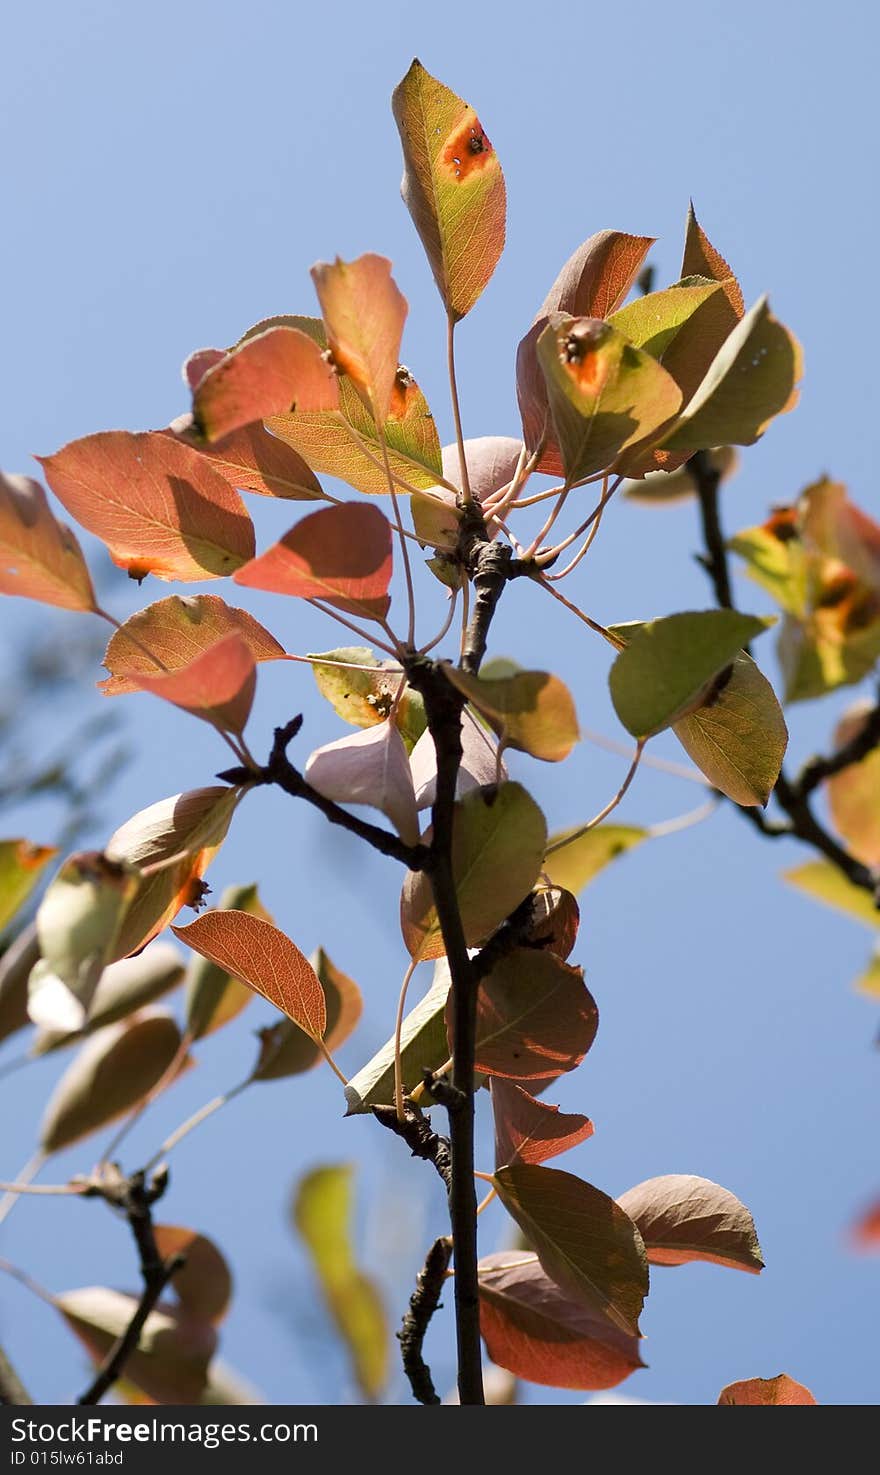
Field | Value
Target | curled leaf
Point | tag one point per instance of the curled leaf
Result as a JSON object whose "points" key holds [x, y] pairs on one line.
{"points": [[683, 1218], [481, 763], [78, 924], [203, 1285], [423, 1047], [530, 1131]]}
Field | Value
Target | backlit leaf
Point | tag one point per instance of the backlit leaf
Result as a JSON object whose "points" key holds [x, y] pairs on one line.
{"points": [[576, 855], [179, 837], [369, 767], [341, 554], [539, 1332], [203, 1286], [272, 373], [177, 630], [159, 506], [535, 1017], [21, 866], [323, 1210], [701, 259], [739, 737], [530, 1131], [170, 1362], [480, 762], [423, 1047], [604, 393], [254, 461], [123, 988], [585, 1242], [365, 697], [762, 1391], [16, 965], [683, 1218], [667, 665], [258, 954], [682, 327], [40, 557], [491, 462], [218, 685], [554, 921], [497, 849], [286, 1051], [824, 882], [364, 313], [78, 924], [214, 996], [854, 793], [531, 710], [452, 186], [110, 1074]]}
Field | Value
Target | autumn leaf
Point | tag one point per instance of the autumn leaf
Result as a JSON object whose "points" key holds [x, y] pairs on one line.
{"points": [[539, 1332], [535, 1017], [763, 1391], [530, 1131], [254, 461], [286, 1051], [854, 793], [369, 767], [158, 505], [40, 557], [258, 954], [452, 186], [341, 554], [530, 710], [822, 880], [213, 996], [683, 1218], [576, 855], [270, 373], [173, 632], [21, 866], [218, 685], [738, 737], [362, 689], [364, 313], [702, 259], [170, 1363], [203, 1284]]}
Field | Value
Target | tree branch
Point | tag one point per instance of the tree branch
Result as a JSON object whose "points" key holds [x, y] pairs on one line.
{"points": [[708, 479], [420, 1138], [279, 770], [818, 769], [136, 1198], [423, 1302]]}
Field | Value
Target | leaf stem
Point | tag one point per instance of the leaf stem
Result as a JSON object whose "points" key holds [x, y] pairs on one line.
{"points": [[398, 1027], [466, 495]]}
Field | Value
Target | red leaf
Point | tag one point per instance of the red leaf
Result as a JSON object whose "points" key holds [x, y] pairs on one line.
{"points": [[364, 313], [217, 686], [762, 1391], [157, 504], [535, 1017], [40, 557], [252, 459], [702, 260], [530, 1131], [340, 554], [683, 1218], [261, 956], [174, 631], [273, 373], [866, 1230], [540, 1332], [203, 1286]]}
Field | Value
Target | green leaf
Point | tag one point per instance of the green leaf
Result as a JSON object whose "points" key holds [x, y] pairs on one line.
{"points": [[775, 559], [682, 327], [423, 1047], [668, 664], [576, 855], [585, 1242], [604, 393], [78, 924], [824, 882], [498, 846], [286, 1051], [452, 186], [838, 645], [213, 996], [739, 737], [683, 1218], [21, 866], [364, 697], [530, 710], [123, 989], [752, 379], [323, 1208]]}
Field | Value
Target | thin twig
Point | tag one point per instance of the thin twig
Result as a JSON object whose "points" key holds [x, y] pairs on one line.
{"points": [[423, 1302], [419, 1136]]}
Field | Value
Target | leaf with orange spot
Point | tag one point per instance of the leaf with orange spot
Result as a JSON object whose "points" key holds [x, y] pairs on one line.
{"points": [[175, 631], [530, 1131], [452, 185], [203, 1284], [682, 1218], [40, 557], [604, 393], [759, 1392], [364, 313], [539, 1332], [341, 554], [254, 461], [536, 1017], [701, 259], [159, 506], [264, 958], [592, 283], [21, 866], [218, 685], [268, 374]]}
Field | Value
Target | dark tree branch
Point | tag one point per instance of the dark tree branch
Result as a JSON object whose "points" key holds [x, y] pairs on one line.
{"points": [[423, 1302], [420, 1138], [793, 797], [12, 1389], [135, 1198], [279, 770]]}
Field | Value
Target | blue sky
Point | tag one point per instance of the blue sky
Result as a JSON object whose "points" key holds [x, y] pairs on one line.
{"points": [[170, 175]]}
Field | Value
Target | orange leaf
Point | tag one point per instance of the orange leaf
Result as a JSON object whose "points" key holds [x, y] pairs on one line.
{"points": [[702, 260], [157, 504], [535, 1017], [252, 459], [203, 1285], [273, 373], [217, 686], [762, 1391], [341, 554], [40, 557], [261, 956], [364, 313], [866, 1230], [174, 631], [530, 1131]]}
